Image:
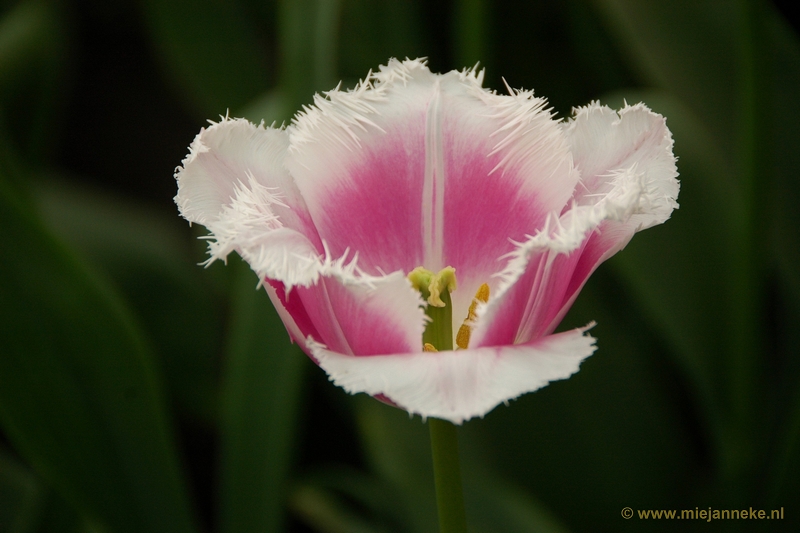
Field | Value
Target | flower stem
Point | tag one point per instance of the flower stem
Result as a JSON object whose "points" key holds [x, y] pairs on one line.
{"points": [[447, 475], [435, 288]]}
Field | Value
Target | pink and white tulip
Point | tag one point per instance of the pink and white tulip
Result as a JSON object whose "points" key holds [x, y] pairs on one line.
{"points": [[415, 169]]}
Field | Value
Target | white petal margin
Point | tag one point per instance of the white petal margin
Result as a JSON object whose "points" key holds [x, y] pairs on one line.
{"points": [[249, 226], [233, 182], [459, 385], [228, 154], [563, 235], [605, 142], [628, 178]]}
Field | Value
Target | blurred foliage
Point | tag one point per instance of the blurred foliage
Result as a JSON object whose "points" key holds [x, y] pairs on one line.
{"points": [[140, 392]]}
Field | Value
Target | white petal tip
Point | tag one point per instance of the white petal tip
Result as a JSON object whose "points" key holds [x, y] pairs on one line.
{"points": [[458, 386]]}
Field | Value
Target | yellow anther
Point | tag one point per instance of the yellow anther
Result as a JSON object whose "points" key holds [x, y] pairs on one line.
{"points": [[464, 332], [482, 295], [428, 347]]}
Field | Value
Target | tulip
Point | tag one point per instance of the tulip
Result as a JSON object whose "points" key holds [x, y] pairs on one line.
{"points": [[421, 237]]}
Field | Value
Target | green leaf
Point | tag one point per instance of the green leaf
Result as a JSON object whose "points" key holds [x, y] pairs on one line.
{"points": [[397, 448], [79, 397], [785, 190], [327, 513], [612, 435], [147, 255], [271, 107], [21, 496], [212, 49], [338, 496], [261, 394], [470, 30], [734, 66], [309, 41], [683, 274], [33, 59], [494, 504], [784, 71], [375, 31], [688, 48], [263, 375], [28, 39]]}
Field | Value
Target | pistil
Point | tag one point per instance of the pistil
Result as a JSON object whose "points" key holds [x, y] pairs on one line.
{"points": [[436, 289]]}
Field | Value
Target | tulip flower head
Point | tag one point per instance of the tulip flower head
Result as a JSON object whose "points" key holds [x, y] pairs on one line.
{"points": [[421, 237]]}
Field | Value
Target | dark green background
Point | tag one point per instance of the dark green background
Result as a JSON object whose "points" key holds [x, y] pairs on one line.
{"points": [[142, 393]]}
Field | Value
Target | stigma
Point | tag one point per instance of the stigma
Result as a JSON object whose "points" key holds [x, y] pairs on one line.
{"points": [[435, 290]]}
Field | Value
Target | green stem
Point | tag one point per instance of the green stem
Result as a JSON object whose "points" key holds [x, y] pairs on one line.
{"points": [[447, 475], [444, 439]]}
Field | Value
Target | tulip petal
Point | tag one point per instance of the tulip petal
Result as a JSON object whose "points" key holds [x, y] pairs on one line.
{"points": [[228, 154], [628, 183], [458, 385], [292, 313], [605, 142], [523, 311], [363, 315], [233, 182], [415, 169]]}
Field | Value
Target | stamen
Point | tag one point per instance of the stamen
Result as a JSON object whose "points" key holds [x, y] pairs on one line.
{"points": [[464, 332], [428, 347]]}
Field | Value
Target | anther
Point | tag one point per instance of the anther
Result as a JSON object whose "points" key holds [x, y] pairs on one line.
{"points": [[464, 332]]}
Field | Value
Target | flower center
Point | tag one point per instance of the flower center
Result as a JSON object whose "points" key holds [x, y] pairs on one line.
{"points": [[436, 289]]}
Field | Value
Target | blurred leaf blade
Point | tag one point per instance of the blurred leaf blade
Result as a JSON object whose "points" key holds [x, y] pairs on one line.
{"points": [[471, 28], [212, 49], [261, 396], [686, 47], [20, 496], [326, 513], [28, 35], [264, 370], [735, 67], [375, 31], [604, 425], [785, 197], [146, 254], [496, 505], [34, 52], [325, 498], [785, 193], [690, 300], [79, 396], [398, 450]]}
